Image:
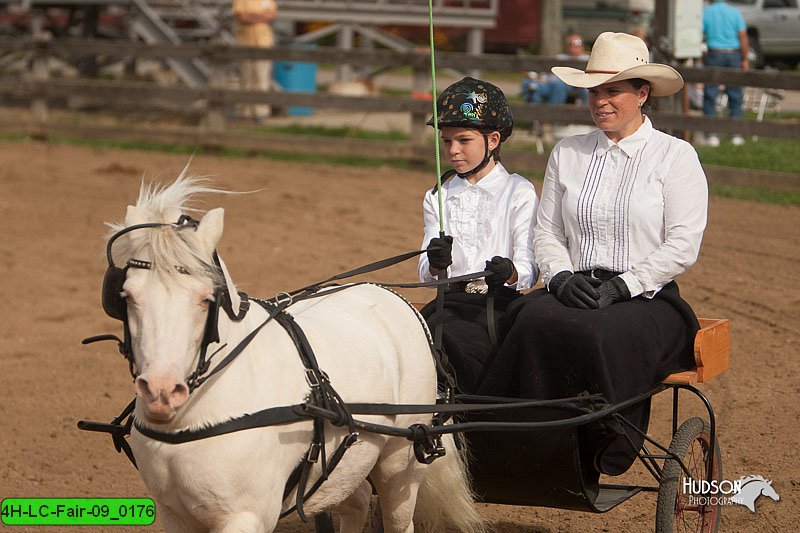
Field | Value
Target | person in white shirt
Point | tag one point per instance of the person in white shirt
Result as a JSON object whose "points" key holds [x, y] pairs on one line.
{"points": [[622, 213], [489, 215]]}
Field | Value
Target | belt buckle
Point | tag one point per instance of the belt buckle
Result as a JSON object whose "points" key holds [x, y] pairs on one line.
{"points": [[477, 287]]}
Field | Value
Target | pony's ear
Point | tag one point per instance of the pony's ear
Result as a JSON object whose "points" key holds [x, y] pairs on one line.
{"points": [[134, 216], [209, 231], [233, 294]]}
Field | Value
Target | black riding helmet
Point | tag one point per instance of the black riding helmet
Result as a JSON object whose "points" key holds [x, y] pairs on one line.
{"points": [[477, 104]]}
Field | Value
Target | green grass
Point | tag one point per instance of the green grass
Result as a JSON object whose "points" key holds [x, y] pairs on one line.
{"points": [[13, 137], [725, 191], [226, 152], [783, 115], [128, 145], [326, 131], [752, 194], [779, 155], [354, 161]]}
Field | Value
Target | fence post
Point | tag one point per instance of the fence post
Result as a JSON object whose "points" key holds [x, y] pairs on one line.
{"points": [[39, 74], [345, 40], [215, 97]]}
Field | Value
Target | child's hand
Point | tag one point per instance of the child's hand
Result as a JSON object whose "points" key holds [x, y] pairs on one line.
{"points": [[440, 252], [502, 269]]}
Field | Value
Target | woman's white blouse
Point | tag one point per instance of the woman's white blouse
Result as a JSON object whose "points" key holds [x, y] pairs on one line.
{"points": [[493, 217], [637, 207]]}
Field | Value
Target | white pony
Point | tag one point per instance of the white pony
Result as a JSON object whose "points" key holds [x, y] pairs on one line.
{"points": [[370, 343]]}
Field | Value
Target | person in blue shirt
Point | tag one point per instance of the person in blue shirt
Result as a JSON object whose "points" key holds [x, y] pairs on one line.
{"points": [[540, 88], [726, 39]]}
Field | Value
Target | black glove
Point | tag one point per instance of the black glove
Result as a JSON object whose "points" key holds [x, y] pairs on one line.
{"points": [[613, 291], [440, 252], [575, 290], [502, 269]]}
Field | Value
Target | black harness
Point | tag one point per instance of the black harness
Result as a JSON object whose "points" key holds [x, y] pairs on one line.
{"points": [[323, 402]]}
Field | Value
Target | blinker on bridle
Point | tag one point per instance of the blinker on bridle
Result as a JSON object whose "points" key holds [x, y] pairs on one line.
{"points": [[116, 306]]}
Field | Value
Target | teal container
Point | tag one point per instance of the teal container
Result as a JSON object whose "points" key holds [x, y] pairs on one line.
{"points": [[296, 77]]}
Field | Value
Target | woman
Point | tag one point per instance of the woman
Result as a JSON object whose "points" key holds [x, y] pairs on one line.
{"points": [[622, 214], [488, 221]]}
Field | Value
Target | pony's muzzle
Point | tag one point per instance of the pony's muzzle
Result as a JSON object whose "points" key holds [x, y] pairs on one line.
{"points": [[162, 397]]}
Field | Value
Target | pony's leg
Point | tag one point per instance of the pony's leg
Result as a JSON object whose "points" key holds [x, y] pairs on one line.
{"points": [[173, 523], [397, 477], [243, 522], [354, 509]]}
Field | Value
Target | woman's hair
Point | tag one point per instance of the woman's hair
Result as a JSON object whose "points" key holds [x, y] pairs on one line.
{"points": [[638, 83]]}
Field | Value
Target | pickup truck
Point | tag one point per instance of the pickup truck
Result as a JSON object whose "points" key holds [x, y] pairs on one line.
{"points": [[773, 27]]}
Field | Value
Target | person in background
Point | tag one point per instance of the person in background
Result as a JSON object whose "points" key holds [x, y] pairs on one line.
{"points": [[622, 214], [530, 83], [488, 217], [548, 88], [726, 40], [254, 28]]}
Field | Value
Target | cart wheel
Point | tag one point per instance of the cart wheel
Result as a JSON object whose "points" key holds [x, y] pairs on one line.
{"points": [[674, 511], [323, 522]]}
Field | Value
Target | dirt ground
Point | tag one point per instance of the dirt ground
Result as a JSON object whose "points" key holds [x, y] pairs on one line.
{"points": [[309, 221]]}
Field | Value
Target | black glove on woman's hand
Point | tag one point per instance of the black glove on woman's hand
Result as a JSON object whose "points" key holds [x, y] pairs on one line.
{"points": [[440, 252], [613, 291], [575, 290], [502, 269]]}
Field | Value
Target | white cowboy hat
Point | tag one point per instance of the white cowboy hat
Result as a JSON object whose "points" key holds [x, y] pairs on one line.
{"points": [[619, 56]]}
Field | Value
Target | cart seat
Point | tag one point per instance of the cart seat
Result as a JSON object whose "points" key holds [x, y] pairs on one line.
{"points": [[712, 346]]}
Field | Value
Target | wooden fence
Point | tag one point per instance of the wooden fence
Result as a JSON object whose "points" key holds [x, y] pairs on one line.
{"points": [[210, 103]]}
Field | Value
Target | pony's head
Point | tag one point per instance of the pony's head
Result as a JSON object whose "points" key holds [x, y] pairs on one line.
{"points": [[169, 290]]}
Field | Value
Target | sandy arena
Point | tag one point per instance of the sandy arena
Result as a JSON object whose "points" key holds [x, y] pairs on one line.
{"points": [[309, 221]]}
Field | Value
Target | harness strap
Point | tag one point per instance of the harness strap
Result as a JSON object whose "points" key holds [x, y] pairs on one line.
{"points": [[364, 269], [311, 457], [326, 471], [273, 311], [324, 396], [490, 321], [273, 416]]}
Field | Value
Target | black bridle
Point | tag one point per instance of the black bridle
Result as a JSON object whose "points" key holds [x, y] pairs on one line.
{"points": [[116, 307]]}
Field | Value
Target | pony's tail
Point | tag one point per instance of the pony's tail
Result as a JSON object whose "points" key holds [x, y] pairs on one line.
{"points": [[445, 497]]}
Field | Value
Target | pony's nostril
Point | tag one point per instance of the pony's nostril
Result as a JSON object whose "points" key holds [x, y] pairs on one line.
{"points": [[179, 395], [144, 390]]}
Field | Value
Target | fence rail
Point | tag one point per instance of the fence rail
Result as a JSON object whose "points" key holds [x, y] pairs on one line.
{"points": [[210, 102]]}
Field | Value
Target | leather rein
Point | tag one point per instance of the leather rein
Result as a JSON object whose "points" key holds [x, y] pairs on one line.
{"points": [[323, 402]]}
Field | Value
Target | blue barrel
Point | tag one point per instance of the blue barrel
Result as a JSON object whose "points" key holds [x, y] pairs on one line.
{"points": [[296, 77]]}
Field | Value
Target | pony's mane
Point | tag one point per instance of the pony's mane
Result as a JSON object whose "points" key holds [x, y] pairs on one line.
{"points": [[172, 250]]}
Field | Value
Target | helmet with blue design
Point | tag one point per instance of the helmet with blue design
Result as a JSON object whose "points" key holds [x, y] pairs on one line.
{"points": [[477, 104]]}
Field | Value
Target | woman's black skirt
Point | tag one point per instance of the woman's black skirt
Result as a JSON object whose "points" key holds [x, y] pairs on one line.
{"points": [[466, 342], [620, 351]]}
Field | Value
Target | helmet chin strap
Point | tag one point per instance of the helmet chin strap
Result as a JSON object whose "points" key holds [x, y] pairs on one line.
{"points": [[486, 157]]}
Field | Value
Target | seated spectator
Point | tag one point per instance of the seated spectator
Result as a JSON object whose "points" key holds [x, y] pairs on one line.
{"points": [[549, 88], [530, 84]]}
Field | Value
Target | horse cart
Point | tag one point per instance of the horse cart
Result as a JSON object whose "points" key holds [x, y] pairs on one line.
{"points": [[537, 457], [531, 453], [525, 451]]}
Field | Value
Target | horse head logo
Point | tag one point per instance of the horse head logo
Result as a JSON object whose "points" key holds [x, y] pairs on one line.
{"points": [[751, 488]]}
